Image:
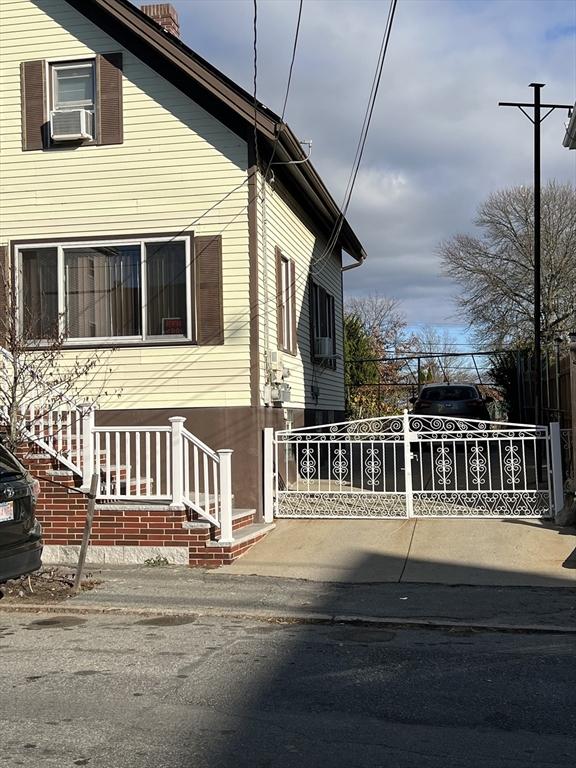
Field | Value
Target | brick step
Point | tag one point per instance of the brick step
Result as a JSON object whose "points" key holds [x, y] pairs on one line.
{"points": [[241, 518], [215, 554], [249, 533]]}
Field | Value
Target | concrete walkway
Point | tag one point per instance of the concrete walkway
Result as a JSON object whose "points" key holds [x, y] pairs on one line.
{"points": [[484, 552]]}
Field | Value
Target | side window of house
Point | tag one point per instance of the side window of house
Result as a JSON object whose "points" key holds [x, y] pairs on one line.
{"points": [[286, 303], [137, 290], [70, 102], [323, 326]]}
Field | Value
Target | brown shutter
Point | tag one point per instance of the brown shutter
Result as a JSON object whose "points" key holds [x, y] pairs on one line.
{"points": [[109, 99], [294, 349], [208, 272], [4, 288], [33, 95], [279, 297]]}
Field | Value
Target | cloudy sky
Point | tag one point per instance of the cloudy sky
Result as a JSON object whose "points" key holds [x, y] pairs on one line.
{"points": [[438, 144]]}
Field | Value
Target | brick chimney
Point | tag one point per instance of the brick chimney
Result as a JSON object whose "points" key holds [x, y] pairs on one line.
{"points": [[165, 15]]}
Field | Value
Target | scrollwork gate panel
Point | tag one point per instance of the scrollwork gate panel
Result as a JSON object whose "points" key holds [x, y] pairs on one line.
{"points": [[457, 468]]}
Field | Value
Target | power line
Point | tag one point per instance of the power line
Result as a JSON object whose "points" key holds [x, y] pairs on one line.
{"points": [[337, 227], [277, 137], [363, 133]]}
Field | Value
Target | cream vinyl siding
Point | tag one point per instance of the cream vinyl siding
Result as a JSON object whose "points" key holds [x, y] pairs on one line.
{"points": [[282, 225], [176, 162]]}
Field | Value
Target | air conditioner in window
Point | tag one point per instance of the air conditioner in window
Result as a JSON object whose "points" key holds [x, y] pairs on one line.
{"points": [[70, 125], [323, 347]]}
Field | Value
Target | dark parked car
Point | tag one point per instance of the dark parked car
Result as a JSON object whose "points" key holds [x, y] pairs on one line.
{"points": [[462, 400], [20, 532]]}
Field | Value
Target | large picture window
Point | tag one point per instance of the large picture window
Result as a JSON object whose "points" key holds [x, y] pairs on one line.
{"points": [[133, 290]]}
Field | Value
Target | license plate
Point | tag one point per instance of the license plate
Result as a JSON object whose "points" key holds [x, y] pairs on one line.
{"points": [[6, 511]]}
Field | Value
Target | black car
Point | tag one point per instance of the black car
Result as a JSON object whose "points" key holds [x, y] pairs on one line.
{"points": [[461, 400], [20, 532]]}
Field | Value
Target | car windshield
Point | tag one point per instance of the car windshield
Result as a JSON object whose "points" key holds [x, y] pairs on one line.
{"points": [[449, 393]]}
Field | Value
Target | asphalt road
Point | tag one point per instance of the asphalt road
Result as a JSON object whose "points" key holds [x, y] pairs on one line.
{"points": [[127, 692]]}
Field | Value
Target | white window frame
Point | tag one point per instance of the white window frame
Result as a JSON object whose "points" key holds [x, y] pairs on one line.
{"points": [[59, 66], [191, 319], [287, 290]]}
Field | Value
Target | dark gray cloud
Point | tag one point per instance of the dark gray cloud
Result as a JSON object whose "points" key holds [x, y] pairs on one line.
{"points": [[438, 144]]}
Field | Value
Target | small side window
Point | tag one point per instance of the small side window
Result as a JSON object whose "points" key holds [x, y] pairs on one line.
{"points": [[66, 103], [73, 101]]}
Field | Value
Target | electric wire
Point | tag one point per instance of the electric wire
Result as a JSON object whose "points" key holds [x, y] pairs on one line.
{"points": [[283, 113]]}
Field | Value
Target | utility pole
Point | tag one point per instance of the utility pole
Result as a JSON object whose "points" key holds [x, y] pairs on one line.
{"points": [[536, 120]]}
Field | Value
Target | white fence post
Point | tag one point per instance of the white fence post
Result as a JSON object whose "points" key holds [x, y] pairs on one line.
{"points": [[87, 415], [268, 474], [556, 467], [408, 465], [177, 424], [226, 535]]}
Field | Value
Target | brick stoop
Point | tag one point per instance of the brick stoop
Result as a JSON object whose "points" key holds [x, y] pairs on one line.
{"points": [[129, 532]]}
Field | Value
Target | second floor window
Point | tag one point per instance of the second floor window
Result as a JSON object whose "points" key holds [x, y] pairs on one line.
{"points": [[73, 87]]}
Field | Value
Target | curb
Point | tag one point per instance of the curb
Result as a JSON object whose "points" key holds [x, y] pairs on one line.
{"points": [[292, 617]]}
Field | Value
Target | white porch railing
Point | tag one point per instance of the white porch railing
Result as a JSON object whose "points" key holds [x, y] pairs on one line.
{"points": [[164, 464], [58, 432], [151, 463]]}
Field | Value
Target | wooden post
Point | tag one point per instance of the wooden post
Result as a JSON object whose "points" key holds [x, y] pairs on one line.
{"points": [[87, 531]]}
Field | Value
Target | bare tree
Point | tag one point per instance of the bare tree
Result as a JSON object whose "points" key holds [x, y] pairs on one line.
{"points": [[375, 330], [38, 376], [381, 318], [439, 363], [495, 271]]}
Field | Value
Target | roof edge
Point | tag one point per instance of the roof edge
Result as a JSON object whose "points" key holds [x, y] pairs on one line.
{"points": [[136, 26]]}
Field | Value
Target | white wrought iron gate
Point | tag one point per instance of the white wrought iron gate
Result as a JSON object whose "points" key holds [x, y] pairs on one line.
{"points": [[421, 466]]}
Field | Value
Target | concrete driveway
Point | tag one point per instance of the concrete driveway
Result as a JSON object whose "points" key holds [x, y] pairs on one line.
{"points": [[434, 551]]}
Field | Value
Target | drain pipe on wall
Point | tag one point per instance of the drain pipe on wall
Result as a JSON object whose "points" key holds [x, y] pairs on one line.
{"points": [[355, 265]]}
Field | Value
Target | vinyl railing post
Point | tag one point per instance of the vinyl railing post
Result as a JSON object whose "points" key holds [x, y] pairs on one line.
{"points": [[268, 474], [556, 467], [87, 416], [226, 535], [408, 464], [177, 425]]}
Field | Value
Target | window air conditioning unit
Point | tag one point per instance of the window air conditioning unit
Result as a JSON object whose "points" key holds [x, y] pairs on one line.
{"points": [[323, 347], [70, 125]]}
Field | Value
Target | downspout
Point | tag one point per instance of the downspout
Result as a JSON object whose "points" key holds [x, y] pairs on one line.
{"points": [[355, 265]]}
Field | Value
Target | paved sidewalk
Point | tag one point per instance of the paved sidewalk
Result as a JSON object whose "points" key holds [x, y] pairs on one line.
{"points": [[177, 589], [511, 552]]}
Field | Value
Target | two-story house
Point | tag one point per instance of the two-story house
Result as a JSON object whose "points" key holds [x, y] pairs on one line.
{"points": [[151, 209]]}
